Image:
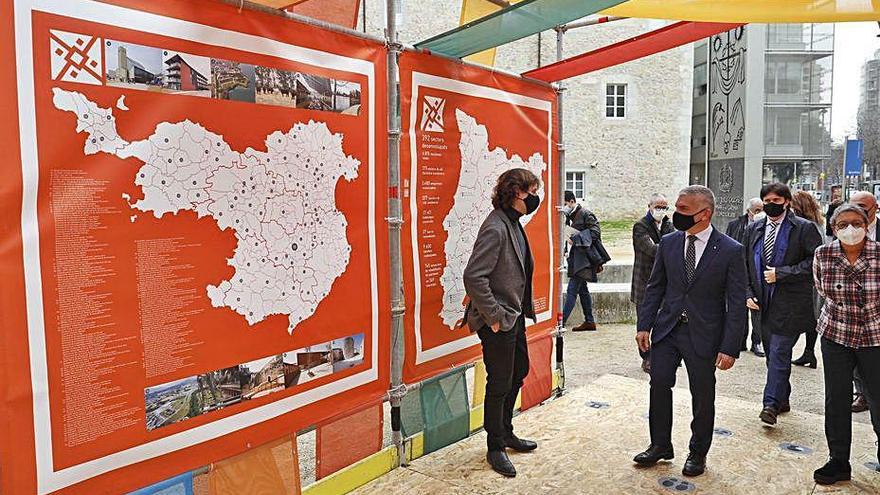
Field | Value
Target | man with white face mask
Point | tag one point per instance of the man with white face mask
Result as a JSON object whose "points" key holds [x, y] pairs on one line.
{"points": [[646, 235]]}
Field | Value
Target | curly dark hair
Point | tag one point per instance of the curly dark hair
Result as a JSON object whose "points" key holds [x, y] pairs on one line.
{"points": [[510, 183]]}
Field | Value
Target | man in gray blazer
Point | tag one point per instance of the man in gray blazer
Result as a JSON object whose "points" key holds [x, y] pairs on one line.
{"points": [[498, 283]]}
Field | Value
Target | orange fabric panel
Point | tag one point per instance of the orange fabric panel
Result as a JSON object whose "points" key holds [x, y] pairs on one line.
{"points": [[346, 440], [341, 12], [271, 469], [538, 384]]}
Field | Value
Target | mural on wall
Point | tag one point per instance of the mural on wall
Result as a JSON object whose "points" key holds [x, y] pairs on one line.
{"points": [[727, 75]]}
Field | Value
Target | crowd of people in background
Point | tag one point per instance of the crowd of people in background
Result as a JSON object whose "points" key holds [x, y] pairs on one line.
{"points": [[782, 268]]}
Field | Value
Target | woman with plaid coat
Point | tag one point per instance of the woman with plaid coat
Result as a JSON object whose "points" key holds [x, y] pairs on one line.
{"points": [[847, 274]]}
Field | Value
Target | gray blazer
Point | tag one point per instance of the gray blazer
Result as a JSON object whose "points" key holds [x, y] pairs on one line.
{"points": [[495, 276]]}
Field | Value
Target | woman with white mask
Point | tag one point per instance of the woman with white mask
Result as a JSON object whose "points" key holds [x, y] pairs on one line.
{"points": [[847, 274]]}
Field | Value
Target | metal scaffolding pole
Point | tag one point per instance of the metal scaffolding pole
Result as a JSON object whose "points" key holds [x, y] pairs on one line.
{"points": [[560, 195], [395, 220]]}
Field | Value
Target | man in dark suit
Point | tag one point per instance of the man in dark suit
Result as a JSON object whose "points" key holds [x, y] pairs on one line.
{"points": [[867, 202], [737, 229], [779, 257], [498, 283], [691, 311], [646, 235]]}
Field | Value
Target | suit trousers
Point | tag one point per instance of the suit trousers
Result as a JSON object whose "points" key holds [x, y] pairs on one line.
{"points": [[506, 356], [777, 389], [839, 362], [666, 355]]}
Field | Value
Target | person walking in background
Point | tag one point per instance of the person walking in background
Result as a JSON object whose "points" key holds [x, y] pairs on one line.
{"points": [[847, 275], [498, 283], [585, 260], [737, 230], [805, 206], [692, 310], [779, 257], [868, 203], [836, 200], [646, 235]]}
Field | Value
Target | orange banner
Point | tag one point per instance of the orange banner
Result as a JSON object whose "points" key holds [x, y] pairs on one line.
{"points": [[341, 12], [199, 191], [462, 127]]}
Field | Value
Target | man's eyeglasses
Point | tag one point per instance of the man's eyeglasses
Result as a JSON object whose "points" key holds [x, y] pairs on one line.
{"points": [[858, 224], [664, 208]]}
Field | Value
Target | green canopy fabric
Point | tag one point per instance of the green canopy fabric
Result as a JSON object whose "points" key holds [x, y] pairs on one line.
{"points": [[512, 23], [445, 410]]}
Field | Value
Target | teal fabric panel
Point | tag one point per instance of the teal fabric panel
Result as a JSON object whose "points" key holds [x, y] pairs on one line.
{"points": [[445, 410]]}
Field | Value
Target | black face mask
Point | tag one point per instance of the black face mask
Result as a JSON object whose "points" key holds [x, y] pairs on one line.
{"points": [[684, 222], [773, 210], [532, 202]]}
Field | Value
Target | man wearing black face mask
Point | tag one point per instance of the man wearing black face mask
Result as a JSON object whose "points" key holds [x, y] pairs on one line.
{"points": [[691, 311], [498, 282], [779, 258]]}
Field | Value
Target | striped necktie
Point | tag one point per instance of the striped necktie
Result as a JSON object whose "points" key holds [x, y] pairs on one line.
{"points": [[770, 243]]}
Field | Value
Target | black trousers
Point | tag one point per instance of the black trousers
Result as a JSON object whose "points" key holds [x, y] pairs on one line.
{"points": [[506, 355], [665, 358], [839, 364]]}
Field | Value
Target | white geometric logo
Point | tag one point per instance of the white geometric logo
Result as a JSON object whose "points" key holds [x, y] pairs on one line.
{"points": [[432, 114], [76, 57]]}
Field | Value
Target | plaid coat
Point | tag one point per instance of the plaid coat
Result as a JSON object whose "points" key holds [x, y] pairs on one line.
{"points": [[646, 238], [851, 313]]}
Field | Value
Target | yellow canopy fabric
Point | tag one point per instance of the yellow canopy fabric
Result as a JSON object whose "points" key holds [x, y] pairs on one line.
{"points": [[751, 11]]}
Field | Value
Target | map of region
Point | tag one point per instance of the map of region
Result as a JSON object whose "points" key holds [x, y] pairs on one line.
{"points": [[480, 168], [280, 203]]}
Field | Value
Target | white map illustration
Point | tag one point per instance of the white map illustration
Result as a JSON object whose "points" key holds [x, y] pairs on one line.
{"points": [[480, 168], [280, 203]]}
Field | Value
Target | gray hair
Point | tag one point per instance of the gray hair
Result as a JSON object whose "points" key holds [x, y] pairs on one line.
{"points": [[703, 192], [655, 197], [848, 208], [755, 202]]}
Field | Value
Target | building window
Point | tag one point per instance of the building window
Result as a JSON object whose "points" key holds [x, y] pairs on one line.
{"points": [[615, 101], [574, 182]]}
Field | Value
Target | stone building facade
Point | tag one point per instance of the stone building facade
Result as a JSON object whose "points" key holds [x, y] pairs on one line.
{"points": [[614, 163]]}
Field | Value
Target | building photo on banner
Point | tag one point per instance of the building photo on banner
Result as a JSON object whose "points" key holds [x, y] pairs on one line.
{"points": [[462, 128], [198, 196]]}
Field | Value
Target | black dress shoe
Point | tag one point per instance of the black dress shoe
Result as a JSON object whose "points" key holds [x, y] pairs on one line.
{"points": [[768, 415], [758, 350], [501, 463], [808, 360], [832, 472], [520, 445], [695, 465], [785, 408], [654, 454]]}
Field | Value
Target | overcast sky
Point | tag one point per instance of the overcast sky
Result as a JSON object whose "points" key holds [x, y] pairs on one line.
{"points": [[854, 42]]}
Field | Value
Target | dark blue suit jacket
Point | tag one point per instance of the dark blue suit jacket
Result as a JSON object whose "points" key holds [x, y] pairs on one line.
{"points": [[715, 300]]}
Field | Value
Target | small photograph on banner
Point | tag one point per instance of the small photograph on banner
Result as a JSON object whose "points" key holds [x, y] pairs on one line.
{"points": [[233, 81], [262, 377], [186, 74], [133, 66]]}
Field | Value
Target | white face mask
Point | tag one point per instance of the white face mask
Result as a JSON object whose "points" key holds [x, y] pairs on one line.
{"points": [[851, 235], [658, 214], [567, 209], [759, 216]]}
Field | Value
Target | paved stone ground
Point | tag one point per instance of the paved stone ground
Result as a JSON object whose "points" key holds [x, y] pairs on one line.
{"points": [[611, 349]]}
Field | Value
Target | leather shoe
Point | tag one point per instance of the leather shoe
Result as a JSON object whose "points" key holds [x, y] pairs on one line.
{"points": [[586, 326], [768, 415], [785, 408], [501, 463], [832, 472], [695, 465], [758, 350], [654, 454], [860, 404], [520, 445]]}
